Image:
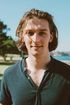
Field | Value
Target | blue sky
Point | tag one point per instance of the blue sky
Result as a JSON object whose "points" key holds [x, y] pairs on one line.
{"points": [[11, 11]]}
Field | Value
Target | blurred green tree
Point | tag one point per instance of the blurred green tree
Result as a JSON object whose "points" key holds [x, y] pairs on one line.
{"points": [[7, 44]]}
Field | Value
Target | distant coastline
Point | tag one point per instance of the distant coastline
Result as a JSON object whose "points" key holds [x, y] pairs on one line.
{"points": [[64, 58], [60, 53]]}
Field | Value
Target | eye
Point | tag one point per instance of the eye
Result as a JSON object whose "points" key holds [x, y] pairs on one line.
{"points": [[30, 33], [42, 33]]}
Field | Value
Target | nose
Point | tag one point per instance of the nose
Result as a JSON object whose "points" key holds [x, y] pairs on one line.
{"points": [[36, 38]]}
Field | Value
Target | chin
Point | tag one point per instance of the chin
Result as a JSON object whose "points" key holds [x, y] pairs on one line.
{"points": [[36, 54]]}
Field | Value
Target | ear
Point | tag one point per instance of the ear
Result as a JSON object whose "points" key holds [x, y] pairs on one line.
{"points": [[51, 38]]}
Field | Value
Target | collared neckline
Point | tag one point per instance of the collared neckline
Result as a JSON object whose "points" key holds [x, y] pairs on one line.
{"points": [[48, 66]]}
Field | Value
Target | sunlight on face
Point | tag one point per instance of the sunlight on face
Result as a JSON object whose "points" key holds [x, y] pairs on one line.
{"points": [[37, 36]]}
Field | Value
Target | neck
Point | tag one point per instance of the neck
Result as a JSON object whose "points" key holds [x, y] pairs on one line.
{"points": [[37, 63]]}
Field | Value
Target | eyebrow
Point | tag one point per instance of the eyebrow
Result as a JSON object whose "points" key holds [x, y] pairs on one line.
{"points": [[37, 30], [42, 29]]}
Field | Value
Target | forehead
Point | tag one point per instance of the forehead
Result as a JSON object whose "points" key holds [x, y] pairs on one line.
{"points": [[36, 24]]}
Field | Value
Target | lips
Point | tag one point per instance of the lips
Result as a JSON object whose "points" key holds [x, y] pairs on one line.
{"points": [[36, 46]]}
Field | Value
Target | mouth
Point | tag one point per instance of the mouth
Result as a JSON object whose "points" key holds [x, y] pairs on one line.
{"points": [[37, 46]]}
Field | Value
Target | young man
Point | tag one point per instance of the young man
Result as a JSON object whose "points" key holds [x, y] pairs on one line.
{"points": [[39, 79]]}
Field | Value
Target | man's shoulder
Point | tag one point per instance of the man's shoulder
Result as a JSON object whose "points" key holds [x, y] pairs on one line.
{"points": [[61, 65], [13, 68], [62, 68]]}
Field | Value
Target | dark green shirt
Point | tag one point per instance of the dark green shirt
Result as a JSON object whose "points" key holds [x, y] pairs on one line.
{"points": [[18, 88]]}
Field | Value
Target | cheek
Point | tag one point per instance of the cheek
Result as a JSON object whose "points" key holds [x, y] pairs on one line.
{"points": [[46, 42], [27, 41], [46, 39]]}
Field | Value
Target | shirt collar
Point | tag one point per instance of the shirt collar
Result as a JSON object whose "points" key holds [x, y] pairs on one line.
{"points": [[48, 66]]}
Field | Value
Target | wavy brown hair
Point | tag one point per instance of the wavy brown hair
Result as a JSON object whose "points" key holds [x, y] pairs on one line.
{"points": [[40, 15]]}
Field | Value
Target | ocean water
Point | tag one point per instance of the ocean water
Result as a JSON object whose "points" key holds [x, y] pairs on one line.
{"points": [[62, 57]]}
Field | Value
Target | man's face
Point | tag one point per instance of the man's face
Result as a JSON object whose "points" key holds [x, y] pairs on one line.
{"points": [[37, 36]]}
